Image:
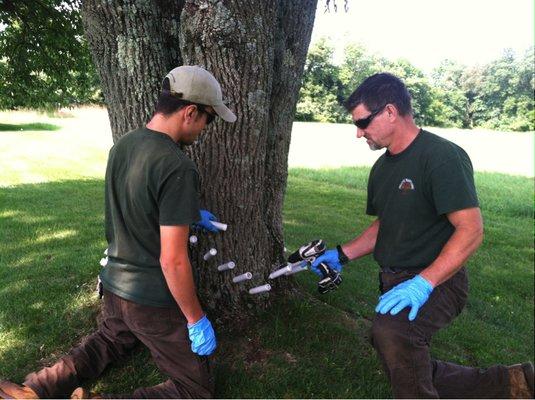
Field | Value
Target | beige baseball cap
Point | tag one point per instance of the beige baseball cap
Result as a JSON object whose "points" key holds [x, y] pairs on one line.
{"points": [[197, 85]]}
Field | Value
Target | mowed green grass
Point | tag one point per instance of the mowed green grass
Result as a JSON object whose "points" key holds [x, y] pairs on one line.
{"points": [[35, 126], [307, 345]]}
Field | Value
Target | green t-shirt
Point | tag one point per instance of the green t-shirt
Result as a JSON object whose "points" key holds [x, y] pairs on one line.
{"points": [[149, 182], [411, 193]]}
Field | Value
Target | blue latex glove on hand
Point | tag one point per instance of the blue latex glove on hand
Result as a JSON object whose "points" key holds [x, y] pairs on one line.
{"points": [[412, 293], [331, 258], [202, 337], [204, 223]]}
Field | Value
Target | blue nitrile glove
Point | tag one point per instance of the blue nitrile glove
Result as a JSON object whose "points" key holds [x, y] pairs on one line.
{"points": [[412, 293], [331, 258], [202, 337], [204, 223]]}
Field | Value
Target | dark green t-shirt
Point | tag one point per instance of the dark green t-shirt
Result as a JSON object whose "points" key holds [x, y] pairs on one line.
{"points": [[149, 182], [411, 193]]}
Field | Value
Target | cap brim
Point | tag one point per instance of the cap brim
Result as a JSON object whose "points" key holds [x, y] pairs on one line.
{"points": [[224, 112]]}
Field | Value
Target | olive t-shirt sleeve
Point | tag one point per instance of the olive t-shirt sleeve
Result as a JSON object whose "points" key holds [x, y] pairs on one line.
{"points": [[178, 199], [452, 184]]}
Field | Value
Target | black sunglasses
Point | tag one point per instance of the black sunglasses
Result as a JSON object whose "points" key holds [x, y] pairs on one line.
{"points": [[363, 123], [209, 116]]}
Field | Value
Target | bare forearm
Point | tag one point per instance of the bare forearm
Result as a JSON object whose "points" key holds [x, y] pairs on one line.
{"points": [[362, 244], [179, 278], [461, 245]]}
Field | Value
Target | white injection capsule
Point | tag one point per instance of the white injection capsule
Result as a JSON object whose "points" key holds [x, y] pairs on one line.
{"points": [[209, 254], [260, 289], [282, 271], [296, 269], [242, 277], [226, 266], [219, 225], [193, 239], [103, 262]]}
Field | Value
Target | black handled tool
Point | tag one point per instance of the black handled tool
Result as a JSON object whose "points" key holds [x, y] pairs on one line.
{"points": [[309, 252]]}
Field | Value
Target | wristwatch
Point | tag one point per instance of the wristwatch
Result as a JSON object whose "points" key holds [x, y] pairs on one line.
{"points": [[341, 255]]}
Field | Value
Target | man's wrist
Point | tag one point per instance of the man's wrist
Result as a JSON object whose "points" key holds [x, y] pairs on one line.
{"points": [[342, 257], [192, 320]]}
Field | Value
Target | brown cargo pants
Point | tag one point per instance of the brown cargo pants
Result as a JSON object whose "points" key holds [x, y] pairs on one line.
{"points": [[403, 347], [124, 324]]}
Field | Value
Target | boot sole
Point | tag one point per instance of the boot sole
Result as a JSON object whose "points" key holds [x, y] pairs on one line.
{"points": [[528, 374], [4, 395]]}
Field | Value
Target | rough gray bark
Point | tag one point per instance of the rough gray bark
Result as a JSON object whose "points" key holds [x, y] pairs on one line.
{"points": [[257, 50], [132, 42]]}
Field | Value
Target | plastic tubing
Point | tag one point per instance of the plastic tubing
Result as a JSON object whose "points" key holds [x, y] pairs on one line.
{"points": [[242, 277], [226, 266], [193, 239], [296, 269], [260, 289], [281, 271], [209, 254], [219, 225]]}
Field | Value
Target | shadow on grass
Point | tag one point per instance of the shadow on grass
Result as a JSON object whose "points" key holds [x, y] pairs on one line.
{"points": [[35, 126], [304, 347], [51, 242]]}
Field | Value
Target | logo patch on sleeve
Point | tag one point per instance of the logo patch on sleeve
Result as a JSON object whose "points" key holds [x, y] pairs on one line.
{"points": [[406, 186]]}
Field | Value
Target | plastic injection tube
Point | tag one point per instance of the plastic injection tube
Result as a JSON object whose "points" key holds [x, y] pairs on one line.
{"points": [[297, 268], [219, 225], [281, 271], [242, 277], [209, 254], [226, 266], [260, 289]]}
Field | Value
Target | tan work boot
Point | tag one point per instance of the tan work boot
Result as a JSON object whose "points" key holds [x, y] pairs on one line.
{"points": [[10, 390], [81, 393], [521, 381]]}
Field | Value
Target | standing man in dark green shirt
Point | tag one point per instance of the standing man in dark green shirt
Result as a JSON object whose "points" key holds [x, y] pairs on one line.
{"points": [[428, 225], [152, 198]]}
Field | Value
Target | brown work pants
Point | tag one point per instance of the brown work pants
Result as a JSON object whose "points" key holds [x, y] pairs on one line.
{"points": [[123, 325], [403, 347]]}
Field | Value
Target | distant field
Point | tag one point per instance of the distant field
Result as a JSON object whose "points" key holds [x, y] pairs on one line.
{"points": [[335, 145], [314, 145]]}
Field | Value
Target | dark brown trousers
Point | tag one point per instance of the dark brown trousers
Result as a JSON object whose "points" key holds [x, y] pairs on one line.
{"points": [[124, 324], [403, 347]]}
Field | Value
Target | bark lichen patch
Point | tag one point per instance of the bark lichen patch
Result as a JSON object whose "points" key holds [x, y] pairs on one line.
{"points": [[257, 101], [128, 52]]}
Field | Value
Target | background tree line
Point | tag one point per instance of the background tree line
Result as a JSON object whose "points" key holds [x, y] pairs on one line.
{"points": [[45, 64], [498, 95]]}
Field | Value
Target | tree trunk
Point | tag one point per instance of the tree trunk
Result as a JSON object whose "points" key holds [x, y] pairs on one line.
{"points": [[132, 43], [256, 49]]}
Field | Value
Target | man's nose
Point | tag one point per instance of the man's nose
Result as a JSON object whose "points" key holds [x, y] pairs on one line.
{"points": [[360, 133]]}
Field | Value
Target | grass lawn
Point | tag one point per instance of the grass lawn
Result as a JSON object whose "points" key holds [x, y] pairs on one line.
{"points": [[308, 345], [35, 126]]}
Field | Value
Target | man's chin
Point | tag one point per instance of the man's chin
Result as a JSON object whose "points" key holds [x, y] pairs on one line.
{"points": [[188, 142], [374, 146]]}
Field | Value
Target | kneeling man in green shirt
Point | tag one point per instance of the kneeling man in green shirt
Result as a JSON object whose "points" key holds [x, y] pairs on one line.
{"points": [[152, 198], [421, 189]]}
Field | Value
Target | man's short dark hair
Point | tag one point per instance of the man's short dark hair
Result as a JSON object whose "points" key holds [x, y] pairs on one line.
{"points": [[379, 90], [168, 102]]}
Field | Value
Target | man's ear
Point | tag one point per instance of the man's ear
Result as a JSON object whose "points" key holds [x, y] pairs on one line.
{"points": [[392, 112], [190, 112]]}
